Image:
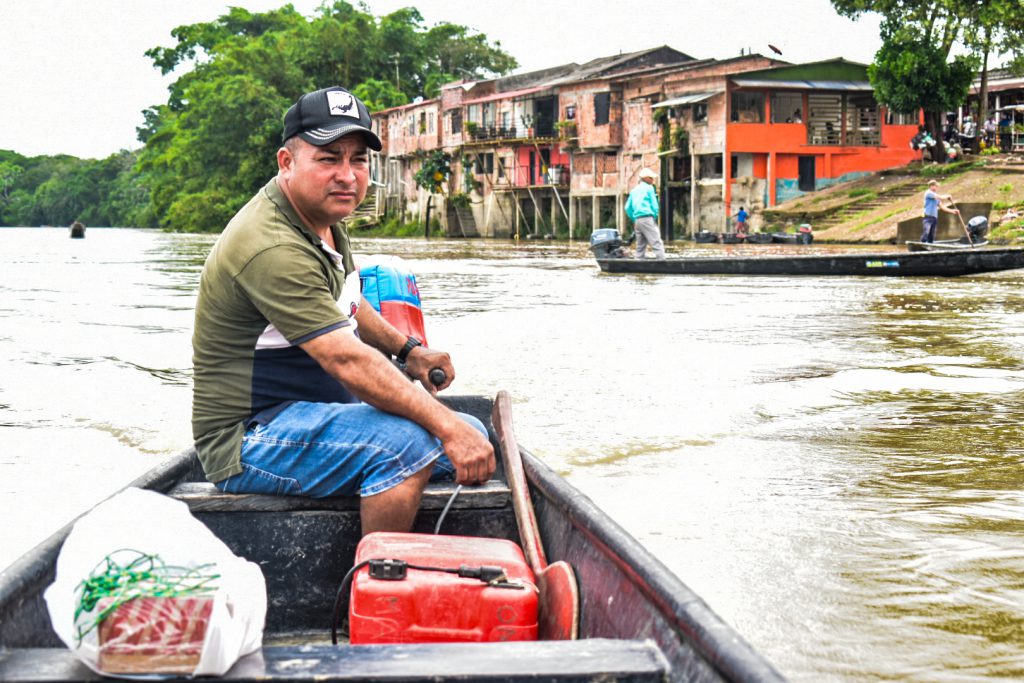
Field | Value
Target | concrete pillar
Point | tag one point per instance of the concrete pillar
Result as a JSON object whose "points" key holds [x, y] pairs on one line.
{"points": [[572, 216], [595, 212]]}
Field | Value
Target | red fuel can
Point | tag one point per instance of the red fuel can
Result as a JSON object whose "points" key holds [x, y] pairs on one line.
{"points": [[427, 606]]}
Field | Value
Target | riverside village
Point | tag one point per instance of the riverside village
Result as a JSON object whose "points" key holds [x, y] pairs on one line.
{"points": [[554, 152]]}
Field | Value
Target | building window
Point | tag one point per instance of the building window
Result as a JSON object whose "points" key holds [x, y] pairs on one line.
{"points": [[787, 107], [484, 163], [602, 108], [862, 126], [456, 117], [431, 123], [824, 119], [570, 112], [700, 112], [710, 166], [897, 119], [748, 107]]}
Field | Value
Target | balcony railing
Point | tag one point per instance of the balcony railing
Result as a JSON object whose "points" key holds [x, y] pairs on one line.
{"points": [[487, 133]]}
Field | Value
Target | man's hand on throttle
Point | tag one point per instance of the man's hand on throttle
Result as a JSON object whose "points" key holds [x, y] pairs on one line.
{"points": [[422, 360]]}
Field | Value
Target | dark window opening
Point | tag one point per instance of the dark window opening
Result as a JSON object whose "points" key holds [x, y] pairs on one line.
{"points": [[602, 108], [484, 163], [700, 112], [570, 112]]}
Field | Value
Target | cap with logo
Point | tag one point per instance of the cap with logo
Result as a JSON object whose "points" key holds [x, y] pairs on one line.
{"points": [[323, 116]]}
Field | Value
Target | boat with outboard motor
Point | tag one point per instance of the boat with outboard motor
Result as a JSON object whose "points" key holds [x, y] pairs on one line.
{"points": [[636, 621], [611, 257]]}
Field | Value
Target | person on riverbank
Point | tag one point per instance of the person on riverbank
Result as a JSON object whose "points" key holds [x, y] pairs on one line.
{"points": [[642, 209], [294, 392], [932, 205], [741, 221]]}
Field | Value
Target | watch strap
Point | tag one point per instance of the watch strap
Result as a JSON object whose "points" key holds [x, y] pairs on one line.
{"points": [[410, 344]]}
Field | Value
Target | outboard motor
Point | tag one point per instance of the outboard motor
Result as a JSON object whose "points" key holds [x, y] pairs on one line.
{"points": [[607, 243], [978, 228]]}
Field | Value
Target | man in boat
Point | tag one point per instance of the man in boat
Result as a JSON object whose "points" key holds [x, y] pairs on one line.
{"points": [[294, 389], [932, 205], [642, 209]]}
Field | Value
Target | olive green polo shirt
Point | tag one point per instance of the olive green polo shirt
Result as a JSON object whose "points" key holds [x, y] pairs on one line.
{"points": [[268, 285]]}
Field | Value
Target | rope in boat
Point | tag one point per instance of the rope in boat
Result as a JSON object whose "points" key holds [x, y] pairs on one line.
{"points": [[142, 575]]}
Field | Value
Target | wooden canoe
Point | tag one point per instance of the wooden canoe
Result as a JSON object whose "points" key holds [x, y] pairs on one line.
{"points": [[638, 621], [945, 245], [891, 264]]}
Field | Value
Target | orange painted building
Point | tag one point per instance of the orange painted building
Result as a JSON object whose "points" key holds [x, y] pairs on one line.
{"points": [[800, 128]]}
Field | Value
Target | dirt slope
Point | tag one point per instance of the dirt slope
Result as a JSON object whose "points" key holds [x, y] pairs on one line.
{"points": [[867, 210]]}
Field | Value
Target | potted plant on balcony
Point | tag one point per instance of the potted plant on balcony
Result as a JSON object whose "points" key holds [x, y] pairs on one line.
{"points": [[470, 127], [566, 130]]}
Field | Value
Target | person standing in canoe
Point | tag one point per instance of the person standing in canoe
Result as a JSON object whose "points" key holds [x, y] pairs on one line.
{"points": [[642, 209], [294, 392], [932, 205]]}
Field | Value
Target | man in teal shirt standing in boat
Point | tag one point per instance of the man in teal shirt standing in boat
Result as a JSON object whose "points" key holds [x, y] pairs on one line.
{"points": [[642, 209]]}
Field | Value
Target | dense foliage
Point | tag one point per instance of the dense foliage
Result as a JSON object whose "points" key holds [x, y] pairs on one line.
{"points": [[212, 144], [913, 69], [57, 190]]}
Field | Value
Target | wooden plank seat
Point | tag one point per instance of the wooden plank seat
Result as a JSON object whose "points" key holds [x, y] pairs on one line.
{"points": [[205, 497], [527, 662]]}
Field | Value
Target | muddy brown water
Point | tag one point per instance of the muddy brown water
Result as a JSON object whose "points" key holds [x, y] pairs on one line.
{"points": [[834, 465]]}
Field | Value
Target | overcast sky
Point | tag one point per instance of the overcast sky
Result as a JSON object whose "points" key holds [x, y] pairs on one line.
{"points": [[74, 79]]}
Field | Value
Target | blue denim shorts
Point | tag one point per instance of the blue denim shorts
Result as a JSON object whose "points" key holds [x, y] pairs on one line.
{"points": [[336, 449]]}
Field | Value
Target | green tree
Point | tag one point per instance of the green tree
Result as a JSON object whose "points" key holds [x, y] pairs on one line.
{"points": [[9, 172], [213, 143], [929, 30], [379, 95]]}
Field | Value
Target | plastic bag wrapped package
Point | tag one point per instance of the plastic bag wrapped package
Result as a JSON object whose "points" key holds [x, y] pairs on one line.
{"points": [[143, 587]]}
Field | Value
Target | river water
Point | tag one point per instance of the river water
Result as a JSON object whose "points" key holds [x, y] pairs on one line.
{"points": [[834, 465]]}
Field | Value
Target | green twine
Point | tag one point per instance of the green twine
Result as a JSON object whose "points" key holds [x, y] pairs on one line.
{"points": [[144, 576]]}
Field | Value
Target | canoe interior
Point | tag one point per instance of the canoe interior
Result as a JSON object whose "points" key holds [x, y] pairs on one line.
{"points": [[638, 622], [946, 263], [944, 245]]}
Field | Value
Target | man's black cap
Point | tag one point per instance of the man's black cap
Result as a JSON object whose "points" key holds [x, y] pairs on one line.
{"points": [[323, 116]]}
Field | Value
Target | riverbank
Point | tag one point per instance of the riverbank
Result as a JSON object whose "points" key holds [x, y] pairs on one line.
{"points": [[862, 211], [867, 210]]}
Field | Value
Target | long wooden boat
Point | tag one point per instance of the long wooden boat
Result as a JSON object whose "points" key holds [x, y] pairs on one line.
{"points": [[892, 264], [945, 245], [637, 622]]}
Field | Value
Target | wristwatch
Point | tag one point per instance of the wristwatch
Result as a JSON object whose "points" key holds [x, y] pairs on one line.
{"points": [[410, 344]]}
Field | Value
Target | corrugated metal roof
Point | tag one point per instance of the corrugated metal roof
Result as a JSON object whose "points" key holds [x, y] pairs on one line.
{"points": [[858, 86], [507, 95], [691, 98]]}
